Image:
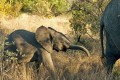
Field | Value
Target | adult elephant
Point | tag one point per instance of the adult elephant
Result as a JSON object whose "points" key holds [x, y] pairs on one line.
{"points": [[39, 46], [110, 24]]}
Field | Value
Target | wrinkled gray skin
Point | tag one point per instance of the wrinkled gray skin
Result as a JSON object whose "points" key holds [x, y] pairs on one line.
{"points": [[110, 24], [39, 46]]}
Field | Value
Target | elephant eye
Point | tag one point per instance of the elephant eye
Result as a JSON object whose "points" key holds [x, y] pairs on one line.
{"points": [[55, 48]]}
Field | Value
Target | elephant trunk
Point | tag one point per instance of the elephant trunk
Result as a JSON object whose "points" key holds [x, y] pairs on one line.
{"points": [[77, 47]]}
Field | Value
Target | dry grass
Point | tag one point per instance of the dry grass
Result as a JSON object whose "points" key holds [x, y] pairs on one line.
{"points": [[32, 22], [69, 67]]}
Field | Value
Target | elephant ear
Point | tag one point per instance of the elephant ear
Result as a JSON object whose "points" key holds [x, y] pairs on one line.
{"points": [[25, 49], [60, 41], [44, 37]]}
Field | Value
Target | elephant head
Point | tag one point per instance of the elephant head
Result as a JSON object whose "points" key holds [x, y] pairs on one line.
{"points": [[44, 37], [54, 40], [50, 40]]}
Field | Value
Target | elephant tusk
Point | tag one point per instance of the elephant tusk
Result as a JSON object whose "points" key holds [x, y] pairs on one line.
{"points": [[77, 47]]}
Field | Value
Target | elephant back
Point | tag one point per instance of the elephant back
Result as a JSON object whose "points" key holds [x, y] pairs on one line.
{"points": [[111, 20], [28, 36]]}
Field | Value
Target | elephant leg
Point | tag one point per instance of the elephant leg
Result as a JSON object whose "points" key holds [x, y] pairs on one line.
{"points": [[23, 71], [37, 65], [110, 58], [38, 62], [110, 63], [48, 63], [111, 53], [37, 58]]}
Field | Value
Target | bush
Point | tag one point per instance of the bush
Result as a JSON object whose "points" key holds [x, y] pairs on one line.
{"points": [[42, 7], [58, 6], [28, 5], [86, 13], [52, 7], [10, 7]]}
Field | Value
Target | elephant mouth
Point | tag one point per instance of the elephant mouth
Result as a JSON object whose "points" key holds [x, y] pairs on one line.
{"points": [[56, 48]]}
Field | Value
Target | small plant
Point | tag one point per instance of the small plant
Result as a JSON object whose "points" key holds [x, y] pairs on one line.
{"points": [[10, 56]]}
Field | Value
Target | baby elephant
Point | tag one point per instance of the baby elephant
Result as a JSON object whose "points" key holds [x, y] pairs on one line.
{"points": [[38, 46]]}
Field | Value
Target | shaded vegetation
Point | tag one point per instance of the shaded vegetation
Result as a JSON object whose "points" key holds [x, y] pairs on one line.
{"points": [[15, 7], [86, 15]]}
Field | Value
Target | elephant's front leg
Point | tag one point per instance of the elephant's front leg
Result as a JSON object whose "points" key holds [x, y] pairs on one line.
{"points": [[22, 67], [110, 60], [47, 61]]}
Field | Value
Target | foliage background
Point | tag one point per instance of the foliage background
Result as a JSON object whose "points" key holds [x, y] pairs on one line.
{"points": [[84, 12], [43, 7]]}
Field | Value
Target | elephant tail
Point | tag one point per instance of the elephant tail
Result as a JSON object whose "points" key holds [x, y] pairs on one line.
{"points": [[101, 38], [77, 47]]}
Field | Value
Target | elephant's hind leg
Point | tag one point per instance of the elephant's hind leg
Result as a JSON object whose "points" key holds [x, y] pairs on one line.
{"points": [[37, 58], [110, 59], [110, 63], [111, 53]]}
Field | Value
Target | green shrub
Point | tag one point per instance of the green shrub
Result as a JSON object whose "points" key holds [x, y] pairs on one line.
{"points": [[86, 13], [58, 6], [42, 7], [10, 7], [52, 7], [28, 5]]}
